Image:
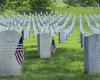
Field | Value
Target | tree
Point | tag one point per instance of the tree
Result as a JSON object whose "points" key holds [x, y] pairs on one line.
{"points": [[18, 5], [2, 3], [41, 5], [28, 5], [83, 3]]}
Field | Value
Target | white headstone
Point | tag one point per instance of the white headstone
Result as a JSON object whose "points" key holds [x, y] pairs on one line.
{"points": [[26, 33], [92, 53], [9, 65], [44, 45], [62, 37]]}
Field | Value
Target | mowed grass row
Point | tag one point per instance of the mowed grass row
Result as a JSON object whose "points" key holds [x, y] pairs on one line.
{"points": [[78, 10], [67, 63]]}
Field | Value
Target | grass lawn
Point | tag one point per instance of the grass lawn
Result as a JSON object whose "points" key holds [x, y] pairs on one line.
{"points": [[67, 63]]}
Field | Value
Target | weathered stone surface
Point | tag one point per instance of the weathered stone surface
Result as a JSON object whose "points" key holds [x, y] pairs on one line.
{"points": [[62, 37], [44, 45], [92, 54], [26, 34], [8, 44]]}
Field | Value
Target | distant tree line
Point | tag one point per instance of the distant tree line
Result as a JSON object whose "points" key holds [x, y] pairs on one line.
{"points": [[82, 3], [26, 5], [42, 5]]}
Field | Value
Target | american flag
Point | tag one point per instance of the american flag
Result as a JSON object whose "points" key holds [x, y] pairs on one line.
{"points": [[19, 52], [53, 46]]}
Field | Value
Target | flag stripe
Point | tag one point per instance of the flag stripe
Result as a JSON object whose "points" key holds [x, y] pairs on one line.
{"points": [[21, 55], [19, 52], [17, 58]]}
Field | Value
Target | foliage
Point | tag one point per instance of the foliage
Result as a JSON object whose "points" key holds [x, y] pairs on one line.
{"points": [[41, 5], [2, 3], [84, 3], [26, 5], [18, 5]]}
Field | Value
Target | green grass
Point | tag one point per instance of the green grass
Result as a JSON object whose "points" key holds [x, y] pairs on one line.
{"points": [[67, 63], [59, 3], [79, 10]]}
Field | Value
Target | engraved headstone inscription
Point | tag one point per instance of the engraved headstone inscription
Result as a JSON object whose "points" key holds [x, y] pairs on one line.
{"points": [[11, 57]]}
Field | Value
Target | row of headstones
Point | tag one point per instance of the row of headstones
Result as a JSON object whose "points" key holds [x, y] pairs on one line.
{"points": [[14, 23], [36, 24], [53, 30], [9, 42], [22, 19], [91, 27], [36, 31], [51, 27], [97, 17], [91, 44], [43, 39], [36, 20], [97, 25], [44, 46], [11, 49], [91, 51]]}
